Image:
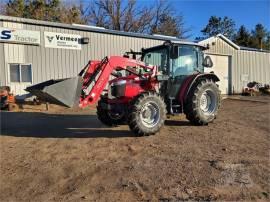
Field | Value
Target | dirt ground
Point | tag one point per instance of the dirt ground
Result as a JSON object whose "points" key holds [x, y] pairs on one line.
{"points": [[68, 155]]}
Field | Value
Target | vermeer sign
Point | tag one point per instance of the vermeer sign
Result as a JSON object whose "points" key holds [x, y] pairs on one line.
{"points": [[19, 36], [60, 40]]}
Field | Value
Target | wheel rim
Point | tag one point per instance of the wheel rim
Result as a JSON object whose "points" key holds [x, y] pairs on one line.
{"points": [[150, 114], [208, 102]]}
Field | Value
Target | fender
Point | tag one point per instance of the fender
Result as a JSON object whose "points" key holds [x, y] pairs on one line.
{"points": [[190, 81]]}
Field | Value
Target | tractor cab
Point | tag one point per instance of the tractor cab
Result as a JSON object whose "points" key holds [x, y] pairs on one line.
{"points": [[178, 60]]}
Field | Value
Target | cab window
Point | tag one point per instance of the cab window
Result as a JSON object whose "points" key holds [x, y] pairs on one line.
{"points": [[157, 57], [188, 61]]}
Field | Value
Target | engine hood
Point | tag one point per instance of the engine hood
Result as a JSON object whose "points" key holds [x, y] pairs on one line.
{"points": [[124, 80]]}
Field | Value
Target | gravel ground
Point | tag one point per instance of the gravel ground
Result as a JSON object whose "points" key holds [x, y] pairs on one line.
{"points": [[68, 155]]}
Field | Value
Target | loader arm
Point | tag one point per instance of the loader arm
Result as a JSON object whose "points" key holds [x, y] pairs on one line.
{"points": [[98, 74]]}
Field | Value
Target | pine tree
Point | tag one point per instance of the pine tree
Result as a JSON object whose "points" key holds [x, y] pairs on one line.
{"points": [[217, 25], [15, 8], [242, 38], [259, 37], [49, 10], [167, 26]]}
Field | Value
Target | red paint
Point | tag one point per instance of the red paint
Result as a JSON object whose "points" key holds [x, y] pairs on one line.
{"points": [[184, 88], [135, 84]]}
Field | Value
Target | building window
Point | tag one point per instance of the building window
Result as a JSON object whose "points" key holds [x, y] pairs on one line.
{"points": [[20, 73], [14, 73]]}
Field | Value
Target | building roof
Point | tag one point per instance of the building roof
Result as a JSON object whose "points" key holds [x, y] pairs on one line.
{"points": [[231, 43], [253, 49], [86, 28], [228, 41]]}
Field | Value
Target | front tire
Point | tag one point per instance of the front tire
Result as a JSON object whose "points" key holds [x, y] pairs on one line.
{"points": [[147, 114], [203, 102], [106, 116]]}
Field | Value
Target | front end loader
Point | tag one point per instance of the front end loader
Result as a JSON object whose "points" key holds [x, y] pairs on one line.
{"points": [[167, 80]]}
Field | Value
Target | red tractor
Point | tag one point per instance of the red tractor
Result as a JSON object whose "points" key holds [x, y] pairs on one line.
{"points": [[167, 80]]}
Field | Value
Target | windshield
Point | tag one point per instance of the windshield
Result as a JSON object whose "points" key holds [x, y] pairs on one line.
{"points": [[189, 60], [158, 57]]}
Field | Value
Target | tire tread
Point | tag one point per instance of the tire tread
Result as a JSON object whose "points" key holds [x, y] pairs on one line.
{"points": [[135, 106], [191, 107]]}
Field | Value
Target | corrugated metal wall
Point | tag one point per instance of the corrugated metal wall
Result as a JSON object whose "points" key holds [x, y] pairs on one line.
{"points": [[14, 53], [253, 65], [61, 63], [50, 63]]}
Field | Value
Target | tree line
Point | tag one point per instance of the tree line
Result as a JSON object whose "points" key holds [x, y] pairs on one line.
{"points": [[259, 37], [158, 17], [123, 15]]}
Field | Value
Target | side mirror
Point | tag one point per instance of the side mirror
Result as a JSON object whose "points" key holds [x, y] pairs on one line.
{"points": [[207, 62], [174, 52]]}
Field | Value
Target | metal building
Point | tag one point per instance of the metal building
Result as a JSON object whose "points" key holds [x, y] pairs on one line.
{"points": [[236, 65], [33, 51]]}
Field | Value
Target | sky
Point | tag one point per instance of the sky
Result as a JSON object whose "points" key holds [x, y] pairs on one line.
{"points": [[244, 12], [197, 12]]}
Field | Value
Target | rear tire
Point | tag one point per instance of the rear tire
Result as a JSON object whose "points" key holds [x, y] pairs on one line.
{"points": [[203, 102], [147, 114], [107, 117]]}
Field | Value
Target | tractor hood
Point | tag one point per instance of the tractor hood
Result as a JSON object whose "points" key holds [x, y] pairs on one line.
{"points": [[124, 80]]}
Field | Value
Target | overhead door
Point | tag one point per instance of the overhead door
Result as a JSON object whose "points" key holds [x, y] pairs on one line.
{"points": [[221, 69]]}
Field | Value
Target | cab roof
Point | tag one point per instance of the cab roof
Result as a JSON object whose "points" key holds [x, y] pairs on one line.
{"points": [[178, 42], [186, 43]]}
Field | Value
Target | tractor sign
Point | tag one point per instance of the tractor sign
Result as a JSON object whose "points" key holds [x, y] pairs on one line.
{"points": [[13, 35]]}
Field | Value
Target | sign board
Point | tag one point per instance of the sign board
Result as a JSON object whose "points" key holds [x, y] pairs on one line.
{"points": [[14, 35], [60, 40]]}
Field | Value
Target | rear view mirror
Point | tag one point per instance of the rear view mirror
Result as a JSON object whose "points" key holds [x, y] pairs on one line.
{"points": [[174, 52], [207, 62]]}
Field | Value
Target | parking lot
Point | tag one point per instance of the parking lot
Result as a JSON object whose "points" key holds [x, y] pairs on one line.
{"points": [[68, 155]]}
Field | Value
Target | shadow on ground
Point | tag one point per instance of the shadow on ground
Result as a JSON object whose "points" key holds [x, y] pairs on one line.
{"points": [[43, 125], [177, 123]]}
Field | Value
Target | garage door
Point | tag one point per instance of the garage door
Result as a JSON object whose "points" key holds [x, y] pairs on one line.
{"points": [[221, 69]]}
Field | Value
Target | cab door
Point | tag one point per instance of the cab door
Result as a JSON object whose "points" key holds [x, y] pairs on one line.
{"points": [[189, 62]]}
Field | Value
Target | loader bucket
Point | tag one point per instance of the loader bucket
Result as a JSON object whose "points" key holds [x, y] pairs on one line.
{"points": [[65, 92]]}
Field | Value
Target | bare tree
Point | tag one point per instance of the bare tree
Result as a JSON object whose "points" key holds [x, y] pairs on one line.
{"points": [[119, 15], [123, 15], [160, 10], [128, 16], [70, 15], [167, 22], [95, 15]]}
